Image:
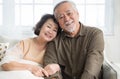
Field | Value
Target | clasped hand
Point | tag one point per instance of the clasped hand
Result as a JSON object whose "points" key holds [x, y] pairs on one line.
{"points": [[46, 71]]}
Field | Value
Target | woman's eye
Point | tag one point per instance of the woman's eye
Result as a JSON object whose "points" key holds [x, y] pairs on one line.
{"points": [[48, 26], [55, 30]]}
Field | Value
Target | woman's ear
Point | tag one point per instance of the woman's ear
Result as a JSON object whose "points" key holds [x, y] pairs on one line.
{"points": [[39, 30]]}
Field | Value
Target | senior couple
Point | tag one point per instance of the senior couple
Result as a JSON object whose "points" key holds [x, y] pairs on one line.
{"points": [[63, 49]]}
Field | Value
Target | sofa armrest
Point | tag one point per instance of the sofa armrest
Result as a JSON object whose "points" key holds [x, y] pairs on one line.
{"points": [[108, 71]]}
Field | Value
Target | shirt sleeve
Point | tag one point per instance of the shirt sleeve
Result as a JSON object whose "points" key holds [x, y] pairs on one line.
{"points": [[95, 56], [50, 54], [13, 54]]}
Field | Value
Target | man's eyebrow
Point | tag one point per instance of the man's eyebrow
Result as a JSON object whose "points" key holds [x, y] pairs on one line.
{"points": [[65, 11], [68, 10]]}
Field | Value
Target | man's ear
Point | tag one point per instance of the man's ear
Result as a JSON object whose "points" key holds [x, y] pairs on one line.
{"points": [[78, 13]]}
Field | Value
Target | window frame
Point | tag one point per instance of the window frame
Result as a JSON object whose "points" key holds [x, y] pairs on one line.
{"points": [[9, 19]]}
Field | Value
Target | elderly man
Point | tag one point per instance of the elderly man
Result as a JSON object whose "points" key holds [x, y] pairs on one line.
{"points": [[77, 52]]}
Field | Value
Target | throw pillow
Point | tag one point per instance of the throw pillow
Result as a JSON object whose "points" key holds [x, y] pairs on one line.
{"points": [[3, 47]]}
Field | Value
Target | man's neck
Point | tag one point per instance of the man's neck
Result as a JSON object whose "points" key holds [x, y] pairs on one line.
{"points": [[74, 33]]}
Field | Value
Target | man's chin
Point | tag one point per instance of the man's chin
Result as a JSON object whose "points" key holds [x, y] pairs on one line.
{"points": [[69, 31]]}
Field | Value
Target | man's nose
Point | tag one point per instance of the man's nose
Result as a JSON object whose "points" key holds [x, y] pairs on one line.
{"points": [[66, 18]]}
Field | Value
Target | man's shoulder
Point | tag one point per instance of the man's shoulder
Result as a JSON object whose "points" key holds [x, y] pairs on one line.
{"points": [[92, 29], [60, 35], [59, 38]]}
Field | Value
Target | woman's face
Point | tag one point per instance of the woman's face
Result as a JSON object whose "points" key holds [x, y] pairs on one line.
{"points": [[49, 30]]}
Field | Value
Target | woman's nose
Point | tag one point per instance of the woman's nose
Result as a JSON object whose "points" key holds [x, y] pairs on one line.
{"points": [[50, 31]]}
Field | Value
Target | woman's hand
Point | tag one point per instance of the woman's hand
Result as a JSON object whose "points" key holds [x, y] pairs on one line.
{"points": [[37, 71]]}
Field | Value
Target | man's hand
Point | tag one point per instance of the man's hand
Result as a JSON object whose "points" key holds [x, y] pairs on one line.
{"points": [[52, 68]]}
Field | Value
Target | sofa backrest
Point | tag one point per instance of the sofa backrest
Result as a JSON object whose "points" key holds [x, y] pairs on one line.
{"points": [[11, 41]]}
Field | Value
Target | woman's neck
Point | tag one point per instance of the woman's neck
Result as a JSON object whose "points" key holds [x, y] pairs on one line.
{"points": [[41, 44]]}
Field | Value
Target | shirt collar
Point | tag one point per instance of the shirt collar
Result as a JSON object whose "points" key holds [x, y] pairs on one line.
{"points": [[81, 31]]}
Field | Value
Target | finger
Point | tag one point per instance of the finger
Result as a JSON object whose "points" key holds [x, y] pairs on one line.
{"points": [[45, 72], [47, 67], [39, 73]]}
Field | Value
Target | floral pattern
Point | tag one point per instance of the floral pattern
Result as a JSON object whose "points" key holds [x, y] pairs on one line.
{"points": [[3, 47]]}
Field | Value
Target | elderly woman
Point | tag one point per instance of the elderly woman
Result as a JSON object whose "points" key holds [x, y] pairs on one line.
{"points": [[28, 54]]}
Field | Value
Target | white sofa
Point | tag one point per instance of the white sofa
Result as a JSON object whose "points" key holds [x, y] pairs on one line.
{"points": [[108, 71], [8, 42], [23, 74]]}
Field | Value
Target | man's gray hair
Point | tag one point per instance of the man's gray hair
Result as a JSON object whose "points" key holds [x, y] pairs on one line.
{"points": [[65, 1]]}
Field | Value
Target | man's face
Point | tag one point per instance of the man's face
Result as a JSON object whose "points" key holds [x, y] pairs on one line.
{"points": [[67, 16]]}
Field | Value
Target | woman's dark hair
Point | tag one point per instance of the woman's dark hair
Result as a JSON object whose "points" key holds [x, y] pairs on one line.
{"points": [[41, 22]]}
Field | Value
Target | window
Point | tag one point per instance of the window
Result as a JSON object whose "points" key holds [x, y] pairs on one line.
{"points": [[0, 12], [28, 13], [98, 13], [20, 16]]}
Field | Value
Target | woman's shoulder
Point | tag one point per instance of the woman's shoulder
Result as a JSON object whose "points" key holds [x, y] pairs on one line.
{"points": [[25, 42], [27, 39]]}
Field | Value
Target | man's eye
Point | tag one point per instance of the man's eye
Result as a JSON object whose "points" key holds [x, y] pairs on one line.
{"points": [[69, 13], [61, 17]]}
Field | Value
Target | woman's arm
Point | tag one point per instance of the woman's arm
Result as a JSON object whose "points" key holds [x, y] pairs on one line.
{"points": [[15, 66], [36, 70], [13, 60]]}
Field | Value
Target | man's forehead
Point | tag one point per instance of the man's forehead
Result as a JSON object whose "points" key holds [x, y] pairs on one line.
{"points": [[66, 11]]}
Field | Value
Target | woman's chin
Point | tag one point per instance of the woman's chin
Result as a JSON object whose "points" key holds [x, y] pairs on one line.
{"points": [[48, 39]]}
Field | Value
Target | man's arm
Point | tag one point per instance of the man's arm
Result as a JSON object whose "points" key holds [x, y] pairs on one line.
{"points": [[95, 56], [52, 68], [50, 54], [50, 62]]}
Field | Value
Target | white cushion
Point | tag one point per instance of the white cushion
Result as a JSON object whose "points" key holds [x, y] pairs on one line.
{"points": [[3, 48], [21, 74]]}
